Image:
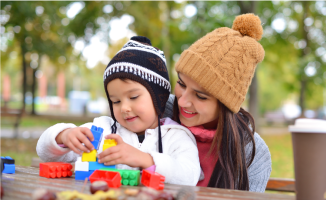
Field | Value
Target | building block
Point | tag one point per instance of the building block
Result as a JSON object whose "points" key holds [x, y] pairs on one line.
{"points": [[81, 166], [153, 180], [109, 143], [7, 160], [81, 175], [113, 179], [55, 169], [128, 177], [9, 168], [89, 157], [96, 165], [97, 133], [8, 165]]}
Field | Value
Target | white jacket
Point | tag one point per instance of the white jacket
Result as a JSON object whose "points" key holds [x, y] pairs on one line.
{"points": [[179, 162]]}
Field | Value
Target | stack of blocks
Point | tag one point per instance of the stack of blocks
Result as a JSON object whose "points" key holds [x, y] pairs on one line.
{"points": [[87, 164], [8, 165]]}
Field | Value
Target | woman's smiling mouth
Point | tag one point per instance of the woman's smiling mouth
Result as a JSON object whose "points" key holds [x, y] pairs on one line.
{"points": [[186, 113]]}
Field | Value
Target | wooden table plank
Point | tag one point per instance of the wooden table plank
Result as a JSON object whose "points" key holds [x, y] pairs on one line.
{"points": [[26, 179], [281, 184]]}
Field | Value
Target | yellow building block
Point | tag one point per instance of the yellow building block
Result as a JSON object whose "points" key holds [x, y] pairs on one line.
{"points": [[109, 143], [89, 157]]}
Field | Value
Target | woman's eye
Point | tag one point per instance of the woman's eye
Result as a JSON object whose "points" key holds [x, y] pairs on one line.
{"points": [[202, 98], [181, 84], [115, 102], [134, 97]]}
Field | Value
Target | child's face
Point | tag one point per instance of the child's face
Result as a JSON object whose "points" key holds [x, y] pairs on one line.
{"points": [[132, 105]]}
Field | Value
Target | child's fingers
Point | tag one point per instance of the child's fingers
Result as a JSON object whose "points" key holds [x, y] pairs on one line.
{"points": [[112, 158], [108, 151], [116, 137], [79, 145], [83, 139], [88, 133], [74, 149]]}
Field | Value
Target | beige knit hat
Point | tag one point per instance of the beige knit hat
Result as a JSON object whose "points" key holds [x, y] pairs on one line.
{"points": [[223, 62]]}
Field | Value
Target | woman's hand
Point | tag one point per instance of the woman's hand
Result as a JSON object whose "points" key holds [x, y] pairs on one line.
{"points": [[124, 153], [74, 137]]}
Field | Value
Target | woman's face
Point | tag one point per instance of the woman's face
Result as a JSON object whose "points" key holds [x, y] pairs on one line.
{"points": [[196, 106]]}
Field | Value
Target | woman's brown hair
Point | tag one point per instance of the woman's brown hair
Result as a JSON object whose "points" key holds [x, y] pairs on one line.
{"points": [[234, 131]]}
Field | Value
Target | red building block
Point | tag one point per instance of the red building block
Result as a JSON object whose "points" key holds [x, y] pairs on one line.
{"points": [[55, 169], [153, 180], [112, 178]]}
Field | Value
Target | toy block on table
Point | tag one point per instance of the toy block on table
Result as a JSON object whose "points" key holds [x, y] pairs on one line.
{"points": [[81, 175], [55, 169], [113, 179], [7, 160], [129, 177], [109, 143], [96, 165], [97, 133], [153, 180], [81, 166], [89, 157], [8, 165]]}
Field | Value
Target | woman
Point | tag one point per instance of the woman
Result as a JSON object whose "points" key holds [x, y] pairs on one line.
{"points": [[214, 76]]}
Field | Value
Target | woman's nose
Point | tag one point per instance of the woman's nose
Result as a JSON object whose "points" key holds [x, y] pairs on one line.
{"points": [[184, 100]]}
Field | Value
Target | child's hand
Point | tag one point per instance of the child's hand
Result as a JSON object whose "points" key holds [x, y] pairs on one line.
{"points": [[124, 153], [74, 137]]}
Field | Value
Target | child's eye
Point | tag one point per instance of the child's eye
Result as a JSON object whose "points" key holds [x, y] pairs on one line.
{"points": [[115, 102], [202, 98], [134, 97], [181, 84]]}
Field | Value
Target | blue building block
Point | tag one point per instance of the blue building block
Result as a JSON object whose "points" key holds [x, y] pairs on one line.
{"points": [[9, 169], [96, 165], [97, 133], [7, 160], [81, 175]]}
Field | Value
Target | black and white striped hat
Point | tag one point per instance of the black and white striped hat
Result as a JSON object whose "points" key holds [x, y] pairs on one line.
{"points": [[139, 61]]}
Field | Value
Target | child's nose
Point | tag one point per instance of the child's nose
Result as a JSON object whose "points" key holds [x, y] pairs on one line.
{"points": [[125, 108]]}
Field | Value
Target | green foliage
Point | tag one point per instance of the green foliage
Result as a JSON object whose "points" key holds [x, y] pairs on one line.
{"points": [[280, 75]]}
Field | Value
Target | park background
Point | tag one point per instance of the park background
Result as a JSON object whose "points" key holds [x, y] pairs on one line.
{"points": [[53, 55]]}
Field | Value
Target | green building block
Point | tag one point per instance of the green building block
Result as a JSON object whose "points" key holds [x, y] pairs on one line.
{"points": [[128, 177]]}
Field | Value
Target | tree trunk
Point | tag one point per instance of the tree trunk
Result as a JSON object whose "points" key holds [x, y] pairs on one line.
{"points": [[303, 81], [253, 99], [302, 96], [34, 84], [33, 92], [24, 69], [165, 38]]}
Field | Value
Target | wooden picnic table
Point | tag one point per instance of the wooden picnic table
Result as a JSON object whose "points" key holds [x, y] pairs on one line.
{"points": [[26, 179]]}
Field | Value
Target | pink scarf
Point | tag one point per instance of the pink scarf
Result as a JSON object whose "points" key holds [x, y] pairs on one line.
{"points": [[201, 134], [204, 138]]}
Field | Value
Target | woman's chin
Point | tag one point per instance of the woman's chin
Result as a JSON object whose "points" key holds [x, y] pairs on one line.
{"points": [[188, 123]]}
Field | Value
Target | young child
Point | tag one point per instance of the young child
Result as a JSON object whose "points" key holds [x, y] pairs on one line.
{"points": [[137, 85]]}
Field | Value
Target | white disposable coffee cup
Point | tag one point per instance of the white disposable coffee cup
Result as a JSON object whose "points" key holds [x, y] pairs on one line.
{"points": [[309, 151]]}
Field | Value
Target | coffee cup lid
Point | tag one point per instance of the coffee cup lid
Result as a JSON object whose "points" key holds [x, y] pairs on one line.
{"points": [[308, 126]]}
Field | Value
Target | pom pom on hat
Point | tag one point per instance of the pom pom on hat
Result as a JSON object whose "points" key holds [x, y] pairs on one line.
{"points": [[248, 25], [141, 39]]}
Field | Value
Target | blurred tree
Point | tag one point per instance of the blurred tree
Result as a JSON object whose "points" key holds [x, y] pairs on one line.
{"points": [[36, 31]]}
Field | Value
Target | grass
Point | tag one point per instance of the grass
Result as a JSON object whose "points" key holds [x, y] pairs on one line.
{"points": [[280, 147], [33, 121], [22, 150]]}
